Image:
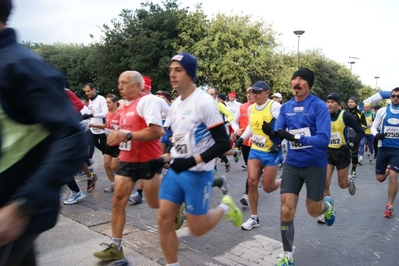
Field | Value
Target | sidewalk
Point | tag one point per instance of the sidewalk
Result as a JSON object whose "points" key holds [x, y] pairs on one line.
{"points": [[71, 243]]}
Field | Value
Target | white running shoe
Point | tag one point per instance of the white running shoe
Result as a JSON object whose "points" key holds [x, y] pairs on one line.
{"points": [[74, 197], [250, 223]]}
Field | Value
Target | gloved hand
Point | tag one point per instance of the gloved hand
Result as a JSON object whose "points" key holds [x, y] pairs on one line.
{"points": [[380, 136], [183, 164], [283, 134], [239, 143], [274, 149], [87, 116], [157, 164], [267, 128]]}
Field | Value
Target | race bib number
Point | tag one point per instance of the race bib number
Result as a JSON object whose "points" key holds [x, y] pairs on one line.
{"points": [[125, 146], [335, 138], [259, 141], [181, 143], [391, 132], [301, 131]]}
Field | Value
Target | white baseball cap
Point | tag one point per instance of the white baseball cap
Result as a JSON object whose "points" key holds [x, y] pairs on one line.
{"points": [[278, 95]]}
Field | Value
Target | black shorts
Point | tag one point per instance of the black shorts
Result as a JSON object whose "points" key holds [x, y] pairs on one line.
{"points": [[387, 156], [111, 150], [313, 177], [137, 171], [339, 158]]}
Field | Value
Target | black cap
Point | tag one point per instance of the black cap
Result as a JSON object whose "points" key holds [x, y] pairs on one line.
{"points": [[222, 96], [306, 74], [5, 9], [334, 96], [353, 98]]}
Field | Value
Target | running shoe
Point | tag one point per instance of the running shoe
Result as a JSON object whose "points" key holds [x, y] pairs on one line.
{"points": [[110, 188], [329, 215], [285, 261], [237, 154], [74, 197], [244, 200], [234, 214], [260, 183], [321, 219], [352, 187], [388, 211], [109, 253], [180, 217], [227, 165], [353, 173], [215, 171], [244, 166], [371, 160], [250, 223], [135, 198], [91, 182], [360, 162], [224, 187], [122, 262]]}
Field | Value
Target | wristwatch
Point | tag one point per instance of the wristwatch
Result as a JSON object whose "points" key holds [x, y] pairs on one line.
{"points": [[129, 136]]}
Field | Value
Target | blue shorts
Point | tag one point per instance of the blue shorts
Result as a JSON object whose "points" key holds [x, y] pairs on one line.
{"points": [[193, 188], [387, 156], [266, 158]]}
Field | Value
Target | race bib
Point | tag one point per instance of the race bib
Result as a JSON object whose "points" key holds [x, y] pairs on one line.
{"points": [[301, 131], [96, 130], [259, 141], [335, 139], [181, 143], [391, 132], [125, 146]]}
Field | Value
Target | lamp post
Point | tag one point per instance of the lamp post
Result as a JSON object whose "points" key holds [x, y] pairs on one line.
{"points": [[376, 80], [351, 63], [298, 33]]}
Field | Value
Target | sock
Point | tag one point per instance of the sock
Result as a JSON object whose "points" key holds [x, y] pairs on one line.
{"points": [[287, 235], [255, 217], [288, 255], [217, 182], [173, 264], [353, 168], [117, 242], [361, 158], [225, 208], [140, 191]]}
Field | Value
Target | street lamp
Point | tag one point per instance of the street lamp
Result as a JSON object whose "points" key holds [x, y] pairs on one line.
{"points": [[352, 61], [376, 80], [298, 33]]}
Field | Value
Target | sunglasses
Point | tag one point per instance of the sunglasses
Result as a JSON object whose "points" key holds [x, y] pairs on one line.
{"points": [[393, 96]]}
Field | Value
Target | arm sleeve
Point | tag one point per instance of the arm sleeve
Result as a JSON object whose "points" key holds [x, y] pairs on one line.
{"points": [[378, 121], [103, 108], [350, 121], [236, 121], [224, 110], [275, 109], [363, 121], [220, 146]]}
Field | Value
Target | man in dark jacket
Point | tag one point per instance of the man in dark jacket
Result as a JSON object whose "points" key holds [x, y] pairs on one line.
{"points": [[40, 145]]}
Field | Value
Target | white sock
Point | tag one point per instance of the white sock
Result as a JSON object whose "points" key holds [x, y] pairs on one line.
{"points": [[255, 217], [288, 255], [360, 158], [117, 242], [225, 208], [173, 264]]}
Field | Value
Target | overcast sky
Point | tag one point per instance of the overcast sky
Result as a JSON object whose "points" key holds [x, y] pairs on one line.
{"points": [[365, 29]]}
